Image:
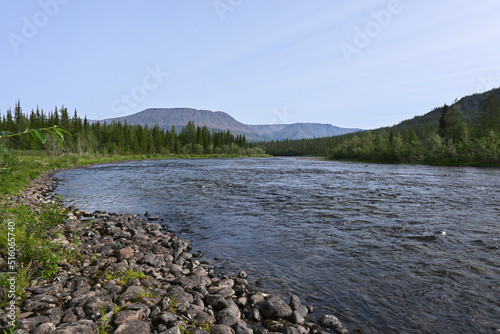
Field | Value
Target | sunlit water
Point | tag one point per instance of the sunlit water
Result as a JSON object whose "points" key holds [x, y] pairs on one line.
{"points": [[386, 248]]}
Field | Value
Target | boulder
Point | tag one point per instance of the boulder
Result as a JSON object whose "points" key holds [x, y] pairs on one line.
{"points": [[274, 307], [134, 327]]}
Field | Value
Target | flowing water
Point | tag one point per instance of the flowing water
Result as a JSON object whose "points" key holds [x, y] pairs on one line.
{"points": [[386, 248]]}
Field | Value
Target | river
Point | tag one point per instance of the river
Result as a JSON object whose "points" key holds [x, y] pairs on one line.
{"points": [[386, 248]]}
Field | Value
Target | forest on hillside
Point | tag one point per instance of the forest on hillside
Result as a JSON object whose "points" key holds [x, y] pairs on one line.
{"points": [[442, 136], [116, 138]]}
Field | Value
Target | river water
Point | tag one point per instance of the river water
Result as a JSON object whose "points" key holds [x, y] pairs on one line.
{"points": [[386, 248]]}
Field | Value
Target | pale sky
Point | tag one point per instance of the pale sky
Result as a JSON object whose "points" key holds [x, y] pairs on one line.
{"points": [[363, 64]]}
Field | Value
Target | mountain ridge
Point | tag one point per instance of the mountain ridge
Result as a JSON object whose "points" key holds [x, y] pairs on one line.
{"points": [[165, 118]]}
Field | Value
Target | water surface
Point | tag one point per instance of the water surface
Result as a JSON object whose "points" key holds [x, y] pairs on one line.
{"points": [[386, 248]]}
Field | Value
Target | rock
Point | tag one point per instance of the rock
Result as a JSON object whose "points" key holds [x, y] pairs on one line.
{"points": [[222, 329], [256, 298], [274, 307], [199, 316], [81, 298], [287, 329], [149, 259], [95, 305], [241, 328], [228, 308], [297, 317], [79, 327], [131, 294], [55, 315], [30, 324], [229, 320], [226, 292], [212, 300], [40, 303], [133, 327], [124, 253], [124, 316], [177, 292], [332, 322], [45, 328], [167, 318], [295, 302], [255, 315], [188, 282]]}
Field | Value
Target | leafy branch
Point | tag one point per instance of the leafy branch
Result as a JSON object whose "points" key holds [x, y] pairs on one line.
{"points": [[36, 136]]}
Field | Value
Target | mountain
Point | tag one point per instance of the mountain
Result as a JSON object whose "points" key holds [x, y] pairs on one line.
{"points": [[165, 118], [300, 130]]}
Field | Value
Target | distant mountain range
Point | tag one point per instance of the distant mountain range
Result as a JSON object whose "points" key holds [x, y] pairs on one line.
{"points": [[165, 118]]}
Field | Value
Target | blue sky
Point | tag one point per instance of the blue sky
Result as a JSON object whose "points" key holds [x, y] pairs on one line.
{"points": [[359, 64]]}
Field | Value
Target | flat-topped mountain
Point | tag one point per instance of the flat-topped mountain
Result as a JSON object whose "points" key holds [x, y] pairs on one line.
{"points": [[165, 118]]}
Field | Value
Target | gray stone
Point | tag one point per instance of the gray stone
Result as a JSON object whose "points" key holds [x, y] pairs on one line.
{"points": [[167, 318], [40, 303], [274, 307], [228, 307], [79, 327], [213, 299], [226, 292], [124, 316], [199, 316], [287, 329], [331, 322], [297, 318], [55, 315], [134, 327], [95, 305], [30, 324], [131, 294], [81, 298], [241, 328], [177, 292], [188, 282], [222, 329], [255, 315], [295, 303], [149, 259], [224, 283], [256, 298], [229, 320], [45, 328]]}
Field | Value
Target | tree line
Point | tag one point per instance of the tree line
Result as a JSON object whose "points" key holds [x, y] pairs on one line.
{"points": [[119, 139], [442, 136]]}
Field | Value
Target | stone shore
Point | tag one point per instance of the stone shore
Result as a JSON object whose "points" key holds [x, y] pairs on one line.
{"points": [[177, 292]]}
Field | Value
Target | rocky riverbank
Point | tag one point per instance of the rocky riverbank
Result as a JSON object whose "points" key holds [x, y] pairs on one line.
{"points": [[132, 277]]}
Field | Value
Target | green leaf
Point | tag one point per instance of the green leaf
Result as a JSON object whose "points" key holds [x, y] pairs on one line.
{"points": [[4, 150], [34, 139], [40, 136], [57, 136], [5, 133], [61, 131]]}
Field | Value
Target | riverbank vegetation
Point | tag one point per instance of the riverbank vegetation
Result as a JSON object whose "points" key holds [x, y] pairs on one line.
{"points": [[119, 139], [467, 132]]}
